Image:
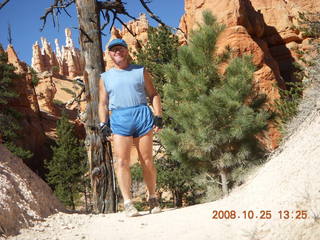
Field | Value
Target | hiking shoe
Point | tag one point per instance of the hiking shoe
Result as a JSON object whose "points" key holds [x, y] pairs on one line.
{"points": [[154, 206], [130, 210]]}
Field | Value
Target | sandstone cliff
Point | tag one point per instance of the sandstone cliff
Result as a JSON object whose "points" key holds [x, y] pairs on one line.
{"points": [[46, 91], [31, 135]]}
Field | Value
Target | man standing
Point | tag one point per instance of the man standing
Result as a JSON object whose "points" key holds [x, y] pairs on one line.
{"points": [[123, 89]]}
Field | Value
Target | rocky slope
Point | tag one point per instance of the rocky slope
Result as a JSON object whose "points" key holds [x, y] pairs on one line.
{"points": [[24, 197]]}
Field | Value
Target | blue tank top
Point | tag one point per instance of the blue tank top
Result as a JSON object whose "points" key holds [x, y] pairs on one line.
{"points": [[125, 87]]}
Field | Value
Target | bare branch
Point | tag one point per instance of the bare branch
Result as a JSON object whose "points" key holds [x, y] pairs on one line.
{"points": [[3, 3], [184, 34], [212, 179], [156, 18], [132, 33], [152, 15], [127, 14], [113, 20], [65, 10], [116, 6], [54, 22], [84, 33], [9, 34], [58, 4], [76, 98], [125, 25], [103, 26], [106, 16]]}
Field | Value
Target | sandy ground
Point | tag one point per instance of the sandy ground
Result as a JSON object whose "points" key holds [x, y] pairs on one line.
{"points": [[289, 181]]}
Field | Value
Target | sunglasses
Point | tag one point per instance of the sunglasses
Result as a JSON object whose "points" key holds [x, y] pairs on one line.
{"points": [[115, 49]]}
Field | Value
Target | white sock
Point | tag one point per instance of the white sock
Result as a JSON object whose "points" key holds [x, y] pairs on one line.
{"points": [[127, 201], [152, 196]]}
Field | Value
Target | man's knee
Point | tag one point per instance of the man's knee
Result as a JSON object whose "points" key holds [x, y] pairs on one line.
{"points": [[147, 163], [121, 163]]}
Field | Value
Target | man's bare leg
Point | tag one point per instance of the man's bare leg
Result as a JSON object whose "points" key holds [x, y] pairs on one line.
{"points": [[122, 148], [144, 148]]}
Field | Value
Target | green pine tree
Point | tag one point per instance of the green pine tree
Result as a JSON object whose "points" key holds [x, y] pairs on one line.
{"points": [[173, 175], [7, 74], [68, 164], [215, 122], [9, 118], [161, 48], [178, 178]]}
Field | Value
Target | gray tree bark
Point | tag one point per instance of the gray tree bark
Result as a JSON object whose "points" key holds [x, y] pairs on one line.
{"points": [[99, 151], [224, 182]]}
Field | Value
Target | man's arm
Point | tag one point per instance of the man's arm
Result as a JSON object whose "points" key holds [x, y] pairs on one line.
{"points": [[153, 94], [103, 103]]}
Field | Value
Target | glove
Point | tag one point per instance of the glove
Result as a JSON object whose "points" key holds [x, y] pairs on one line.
{"points": [[158, 121], [105, 129]]}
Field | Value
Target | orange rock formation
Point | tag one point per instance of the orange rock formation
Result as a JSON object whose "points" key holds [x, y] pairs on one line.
{"points": [[31, 135], [46, 91], [66, 61], [264, 29]]}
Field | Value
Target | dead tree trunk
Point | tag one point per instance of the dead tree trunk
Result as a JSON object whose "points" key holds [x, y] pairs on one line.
{"points": [[99, 152]]}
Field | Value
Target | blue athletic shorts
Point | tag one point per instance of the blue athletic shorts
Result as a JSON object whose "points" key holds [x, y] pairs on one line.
{"points": [[132, 121]]}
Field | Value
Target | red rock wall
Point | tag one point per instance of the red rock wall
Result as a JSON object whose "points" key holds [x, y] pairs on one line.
{"points": [[31, 135]]}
